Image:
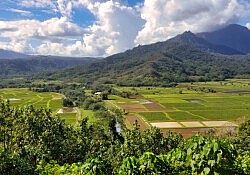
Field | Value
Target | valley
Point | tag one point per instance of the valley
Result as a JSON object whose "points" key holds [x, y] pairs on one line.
{"points": [[180, 106], [189, 105], [21, 97], [186, 108]]}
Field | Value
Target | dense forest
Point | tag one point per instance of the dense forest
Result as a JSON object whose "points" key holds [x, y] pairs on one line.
{"points": [[34, 142], [159, 64], [37, 64]]}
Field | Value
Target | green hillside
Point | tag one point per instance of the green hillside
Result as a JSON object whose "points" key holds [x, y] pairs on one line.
{"points": [[38, 64], [161, 63]]}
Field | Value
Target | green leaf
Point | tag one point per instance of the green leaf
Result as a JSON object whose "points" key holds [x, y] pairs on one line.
{"points": [[206, 170], [216, 147], [211, 163], [219, 156]]}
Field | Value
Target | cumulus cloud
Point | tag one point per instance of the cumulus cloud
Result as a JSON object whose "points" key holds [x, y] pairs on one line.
{"points": [[18, 46], [248, 25], [52, 30], [118, 26], [166, 18], [58, 27], [114, 31], [18, 30]]}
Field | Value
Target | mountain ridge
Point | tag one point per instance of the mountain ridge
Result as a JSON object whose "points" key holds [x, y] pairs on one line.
{"points": [[161, 63], [8, 54], [38, 64], [183, 58], [198, 42], [234, 36]]}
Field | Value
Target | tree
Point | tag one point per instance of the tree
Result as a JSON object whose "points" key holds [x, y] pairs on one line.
{"points": [[67, 102]]}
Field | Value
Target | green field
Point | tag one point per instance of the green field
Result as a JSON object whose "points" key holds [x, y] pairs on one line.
{"points": [[154, 116], [184, 116], [70, 118], [24, 97], [89, 114], [228, 100]]}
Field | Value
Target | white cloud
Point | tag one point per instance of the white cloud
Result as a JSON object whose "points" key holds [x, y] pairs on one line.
{"points": [[22, 12], [117, 27], [248, 25], [115, 30], [37, 3], [59, 27], [18, 30], [53, 30], [167, 18], [18, 46], [65, 7]]}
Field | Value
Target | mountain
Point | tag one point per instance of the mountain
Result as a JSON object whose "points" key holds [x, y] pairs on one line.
{"points": [[234, 36], [197, 42], [6, 54], [37, 64], [161, 64]]}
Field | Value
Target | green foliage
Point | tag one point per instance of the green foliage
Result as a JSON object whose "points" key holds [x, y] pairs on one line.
{"points": [[137, 142], [242, 139], [148, 163], [244, 162], [245, 128], [90, 167], [17, 67], [67, 103], [14, 164], [203, 155], [160, 64], [34, 142]]}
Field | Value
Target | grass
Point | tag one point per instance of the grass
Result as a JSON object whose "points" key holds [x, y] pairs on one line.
{"points": [[70, 118], [24, 97], [214, 106], [228, 115], [183, 106], [154, 116], [183, 116], [89, 114]]}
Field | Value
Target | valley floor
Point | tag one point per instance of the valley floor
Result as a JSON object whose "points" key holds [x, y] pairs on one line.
{"points": [[188, 108]]}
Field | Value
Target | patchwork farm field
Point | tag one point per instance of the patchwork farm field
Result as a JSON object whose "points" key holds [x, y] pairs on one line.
{"points": [[226, 102], [24, 97]]}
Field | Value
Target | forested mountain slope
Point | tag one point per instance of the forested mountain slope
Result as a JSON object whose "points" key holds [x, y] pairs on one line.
{"points": [[7, 54], [161, 63], [36, 64]]}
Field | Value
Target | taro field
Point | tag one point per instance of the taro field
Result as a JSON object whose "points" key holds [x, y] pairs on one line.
{"points": [[189, 105], [23, 97]]}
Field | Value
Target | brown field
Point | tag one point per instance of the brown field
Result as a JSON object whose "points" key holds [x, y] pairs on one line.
{"points": [[132, 120], [187, 132], [136, 97], [154, 106], [132, 107], [69, 110]]}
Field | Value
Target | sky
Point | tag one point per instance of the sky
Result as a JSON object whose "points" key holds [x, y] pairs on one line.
{"points": [[106, 27]]}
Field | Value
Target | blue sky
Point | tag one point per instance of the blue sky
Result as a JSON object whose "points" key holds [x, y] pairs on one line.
{"points": [[105, 27]]}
